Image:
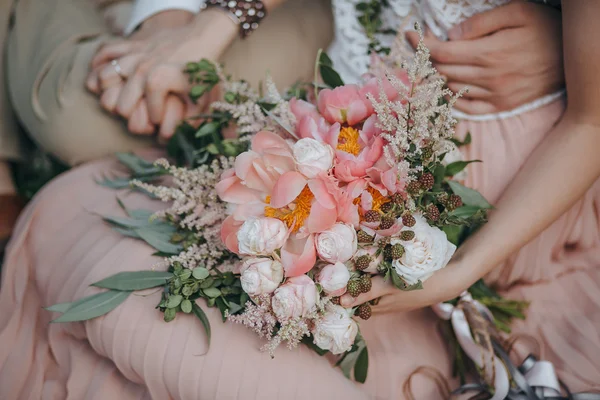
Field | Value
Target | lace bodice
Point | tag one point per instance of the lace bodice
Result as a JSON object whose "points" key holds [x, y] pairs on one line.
{"points": [[349, 50]]}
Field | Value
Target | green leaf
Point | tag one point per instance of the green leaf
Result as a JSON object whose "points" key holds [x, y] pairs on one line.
{"points": [[362, 365], [212, 292], [60, 307], [439, 173], [465, 142], [185, 274], [455, 167], [159, 241], [186, 306], [401, 284], [208, 128], [464, 211], [135, 280], [330, 76], [469, 196], [308, 341], [93, 306], [234, 308], [170, 314], [200, 273], [325, 60], [198, 312], [453, 233], [174, 301], [198, 91], [138, 165]]}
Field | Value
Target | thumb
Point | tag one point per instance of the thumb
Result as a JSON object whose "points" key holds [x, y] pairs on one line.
{"points": [[488, 22]]}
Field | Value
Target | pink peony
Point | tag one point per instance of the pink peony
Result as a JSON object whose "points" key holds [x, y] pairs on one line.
{"points": [[312, 157], [344, 104], [337, 244], [333, 278], [296, 298]]}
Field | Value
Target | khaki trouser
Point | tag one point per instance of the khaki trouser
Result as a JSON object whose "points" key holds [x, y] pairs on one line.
{"points": [[51, 43]]}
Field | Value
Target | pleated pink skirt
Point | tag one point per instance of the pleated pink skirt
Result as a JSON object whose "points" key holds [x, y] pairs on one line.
{"points": [[61, 246]]}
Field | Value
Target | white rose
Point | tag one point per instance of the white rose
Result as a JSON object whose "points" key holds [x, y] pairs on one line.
{"points": [[334, 278], [426, 253], [336, 331], [261, 275], [296, 298], [452, 156], [337, 243], [261, 236], [312, 157]]}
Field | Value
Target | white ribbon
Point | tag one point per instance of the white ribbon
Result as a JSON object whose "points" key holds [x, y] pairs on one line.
{"points": [[540, 376]]}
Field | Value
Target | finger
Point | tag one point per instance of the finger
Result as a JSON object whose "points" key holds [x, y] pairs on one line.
{"points": [[474, 107], [132, 93], [91, 82], [458, 52], [109, 51], [174, 114], [504, 17], [473, 92], [139, 123], [110, 97], [379, 288], [110, 74], [162, 81], [463, 73]]}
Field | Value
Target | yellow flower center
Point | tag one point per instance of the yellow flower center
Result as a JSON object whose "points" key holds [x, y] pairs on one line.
{"points": [[348, 140], [294, 214], [378, 199]]}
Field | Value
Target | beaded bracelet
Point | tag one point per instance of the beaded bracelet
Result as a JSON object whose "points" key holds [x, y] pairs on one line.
{"points": [[246, 13]]}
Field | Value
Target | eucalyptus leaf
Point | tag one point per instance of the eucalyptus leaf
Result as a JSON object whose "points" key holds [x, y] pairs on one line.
{"points": [[208, 128], [200, 273], [60, 307], [134, 280], [212, 292], [159, 241], [469, 196], [174, 301], [456, 167], [126, 232], [93, 306], [170, 314], [464, 211], [185, 274], [186, 306], [198, 312], [362, 365]]}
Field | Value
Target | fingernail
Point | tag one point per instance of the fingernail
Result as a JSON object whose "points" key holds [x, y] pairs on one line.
{"points": [[455, 32]]}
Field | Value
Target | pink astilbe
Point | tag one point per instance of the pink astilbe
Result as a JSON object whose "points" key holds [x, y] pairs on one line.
{"points": [[258, 316]]}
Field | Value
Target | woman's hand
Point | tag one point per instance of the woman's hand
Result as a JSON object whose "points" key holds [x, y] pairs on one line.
{"points": [[507, 56], [149, 87], [444, 285]]}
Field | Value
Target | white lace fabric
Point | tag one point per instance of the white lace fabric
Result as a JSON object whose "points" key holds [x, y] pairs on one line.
{"points": [[349, 50]]}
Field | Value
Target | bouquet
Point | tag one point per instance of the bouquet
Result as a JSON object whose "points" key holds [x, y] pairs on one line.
{"points": [[318, 190]]}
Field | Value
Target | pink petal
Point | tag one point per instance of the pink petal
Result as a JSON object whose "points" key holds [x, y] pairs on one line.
{"points": [[320, 218], [265, 140], [322, 195], [229, 230], [357, 112], [298, 256], [232, 190], [287, 188]]}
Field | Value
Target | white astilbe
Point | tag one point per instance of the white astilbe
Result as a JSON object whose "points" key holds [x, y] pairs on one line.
{"points": [[195, 206], [247, 113], [420, 117]]}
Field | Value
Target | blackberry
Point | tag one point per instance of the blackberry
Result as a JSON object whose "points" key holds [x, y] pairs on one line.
{"points": [[433, 213], [384, 241], [364, 311], [335, 300], [397, 251], [454, 201], [387, 222], [364, 283], [387, 252], [372, 216], [353, 288], [363, 262], [408, 220], [426, 153], [387, 207], [427, 181], [414, 187], [364, 237], [407, 235], [397, 199]]}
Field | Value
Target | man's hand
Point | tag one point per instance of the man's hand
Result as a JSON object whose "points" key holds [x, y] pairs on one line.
{"points": [[507, 57]]}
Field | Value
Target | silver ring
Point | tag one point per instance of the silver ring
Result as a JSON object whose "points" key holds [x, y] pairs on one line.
{"points": [[118, 68]]}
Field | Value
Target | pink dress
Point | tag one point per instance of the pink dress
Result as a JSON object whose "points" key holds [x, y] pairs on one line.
{"points": [[61, 246]]}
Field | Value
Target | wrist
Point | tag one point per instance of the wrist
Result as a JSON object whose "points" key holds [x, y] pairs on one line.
{"points": [[167, 19]]}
